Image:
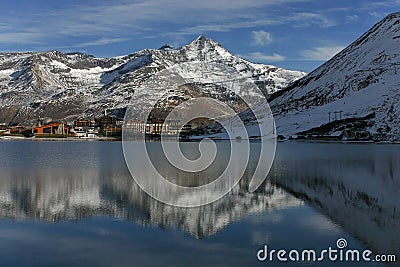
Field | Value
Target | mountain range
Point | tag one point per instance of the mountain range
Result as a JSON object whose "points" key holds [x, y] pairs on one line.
{"points": [[352, 96], [75, 85]]}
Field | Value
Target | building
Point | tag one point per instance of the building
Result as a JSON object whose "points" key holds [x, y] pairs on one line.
{"points": [[83, 123], [3, 128], [54, 128], [154, 127], [86, 132], [110, 126], [17, 128], [106, 121], [85, 128]]}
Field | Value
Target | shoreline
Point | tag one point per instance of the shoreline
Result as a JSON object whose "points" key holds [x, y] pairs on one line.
{"points": [[113, 139], [65, 139]]}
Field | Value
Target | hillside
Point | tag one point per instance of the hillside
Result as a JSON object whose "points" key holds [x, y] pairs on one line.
{"points": [[355, 95]]}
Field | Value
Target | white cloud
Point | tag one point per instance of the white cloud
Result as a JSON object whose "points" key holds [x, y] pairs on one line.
{"points": [[21, 37], [297, 20], [261, 57], [102, 41], [377, 15], [381, 4], [83, 20], [261, 38], [306, 19], [179, 41], [322, 53], [139, 19], [222, 27], [352, 18]]}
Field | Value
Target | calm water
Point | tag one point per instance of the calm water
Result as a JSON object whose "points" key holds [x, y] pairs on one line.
{"points": [[75, 204]]}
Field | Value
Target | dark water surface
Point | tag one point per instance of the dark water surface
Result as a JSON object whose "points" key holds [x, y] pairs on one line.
{"points": [[75, 204]]}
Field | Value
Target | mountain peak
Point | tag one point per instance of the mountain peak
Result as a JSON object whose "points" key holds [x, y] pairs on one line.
{"points": [[59, 83], [202, 39]]}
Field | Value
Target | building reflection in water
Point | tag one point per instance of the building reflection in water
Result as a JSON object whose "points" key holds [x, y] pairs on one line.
{"points": [[99, 183], [356, 186]]}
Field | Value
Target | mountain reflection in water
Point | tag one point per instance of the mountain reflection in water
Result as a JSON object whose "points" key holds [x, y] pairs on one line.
{"points": [[355, 186], [92, 179]]}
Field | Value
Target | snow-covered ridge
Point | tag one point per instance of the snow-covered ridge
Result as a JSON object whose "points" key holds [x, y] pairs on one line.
{"points": [[353, 95], [86, 192], [66, 86]]}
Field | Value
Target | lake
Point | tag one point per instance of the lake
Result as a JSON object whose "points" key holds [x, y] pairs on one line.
{"points": [[76, 204]]}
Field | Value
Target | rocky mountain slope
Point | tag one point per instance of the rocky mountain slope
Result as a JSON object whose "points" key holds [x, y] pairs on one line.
{"points": [[355, 95], [66, 86]]}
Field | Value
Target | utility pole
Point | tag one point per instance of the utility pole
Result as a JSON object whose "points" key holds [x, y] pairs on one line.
{"points": [[329, 113]]}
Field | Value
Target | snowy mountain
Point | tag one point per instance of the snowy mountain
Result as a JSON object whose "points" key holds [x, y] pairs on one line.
{"points": [[98, 188], [66, 86], [355, 186], [355, 95]]}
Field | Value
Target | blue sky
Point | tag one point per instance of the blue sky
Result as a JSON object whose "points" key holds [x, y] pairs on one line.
{"points": [[293, 34]]}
